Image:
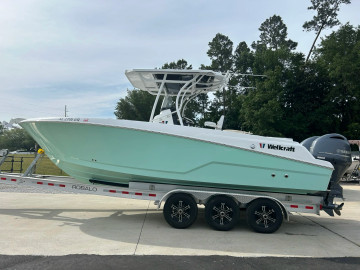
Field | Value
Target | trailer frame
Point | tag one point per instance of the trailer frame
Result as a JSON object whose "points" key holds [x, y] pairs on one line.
{"points": [[160, 193]]}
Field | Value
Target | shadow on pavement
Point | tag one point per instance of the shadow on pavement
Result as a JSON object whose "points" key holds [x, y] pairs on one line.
{"points": [[124, 225]]}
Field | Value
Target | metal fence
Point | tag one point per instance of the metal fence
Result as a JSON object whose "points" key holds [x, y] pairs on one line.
{"points": [[16, 164], [19, 164]]}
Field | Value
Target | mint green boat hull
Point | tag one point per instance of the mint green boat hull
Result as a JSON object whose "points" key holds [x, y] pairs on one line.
{"points": [[120, 155]]}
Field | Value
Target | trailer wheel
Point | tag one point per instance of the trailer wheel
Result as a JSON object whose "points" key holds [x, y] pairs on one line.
{"points": [[180, 210], [264, 216], [222, 213]]}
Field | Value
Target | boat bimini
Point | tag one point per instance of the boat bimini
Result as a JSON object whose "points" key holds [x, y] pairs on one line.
{"points": [[168, 150]]}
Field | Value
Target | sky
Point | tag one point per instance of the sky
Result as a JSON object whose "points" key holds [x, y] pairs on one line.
{"points": [[75, 52]]}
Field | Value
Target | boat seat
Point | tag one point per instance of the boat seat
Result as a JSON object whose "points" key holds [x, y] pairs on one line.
{"points": [[218, 125]]}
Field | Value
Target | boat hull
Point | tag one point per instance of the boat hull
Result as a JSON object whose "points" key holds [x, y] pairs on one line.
{"points": [[118, 154]]}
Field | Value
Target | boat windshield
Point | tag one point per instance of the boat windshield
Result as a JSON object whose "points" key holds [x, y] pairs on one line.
{"points": [[185, 85]]}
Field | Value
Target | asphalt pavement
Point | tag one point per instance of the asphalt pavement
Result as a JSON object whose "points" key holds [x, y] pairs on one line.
{"points": [[90, 262]]}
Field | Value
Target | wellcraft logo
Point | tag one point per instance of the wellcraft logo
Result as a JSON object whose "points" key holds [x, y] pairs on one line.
{"points": [[278, 147]]}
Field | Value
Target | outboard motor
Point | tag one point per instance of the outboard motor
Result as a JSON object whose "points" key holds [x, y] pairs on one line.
{"points": [[308, 142], [335, 149]]}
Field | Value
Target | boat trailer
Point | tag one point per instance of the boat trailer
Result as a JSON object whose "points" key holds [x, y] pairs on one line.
{"points": [[265, 211]]}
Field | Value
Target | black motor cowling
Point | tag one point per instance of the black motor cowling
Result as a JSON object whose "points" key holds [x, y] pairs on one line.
{"points": [[335, 149], [308, 142]]}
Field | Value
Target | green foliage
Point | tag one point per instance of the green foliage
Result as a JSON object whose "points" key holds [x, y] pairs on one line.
{"points": [[326, 17], [296, 99], [16, 139], [243, 58], [261, 108], [137, 105], [326, 14], [180, 64], [305, 102], [353, 130], [220, 53], [1, 129], [273, 34], [339, 55]]}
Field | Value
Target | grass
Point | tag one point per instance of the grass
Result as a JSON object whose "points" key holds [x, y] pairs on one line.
{"points": [[43, 166]]}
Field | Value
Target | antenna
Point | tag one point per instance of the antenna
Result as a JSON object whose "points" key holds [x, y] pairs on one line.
{"points": [[247, 74]]}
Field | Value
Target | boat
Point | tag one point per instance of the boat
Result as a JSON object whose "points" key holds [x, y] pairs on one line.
{"points": [[168, 150]]}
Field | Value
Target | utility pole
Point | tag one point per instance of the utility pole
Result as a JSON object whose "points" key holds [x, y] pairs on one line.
{"points": [[66, 111]]}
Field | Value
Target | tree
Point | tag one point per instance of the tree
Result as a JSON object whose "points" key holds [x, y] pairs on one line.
{"points": [[1, 129], [243, 58], [220, 52], [16, 139], [136, 105], [306, 102], [180, 64], [296, 99], [273, 34], [353, 131], [326, 13], [277, 105], [300, 100], [203, 103], [339, 55], [243, 64], [261, 108]]}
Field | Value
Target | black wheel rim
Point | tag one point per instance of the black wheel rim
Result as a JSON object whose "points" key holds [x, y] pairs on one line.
{"points": [[265, 216], [180, 211], [222, 214]]}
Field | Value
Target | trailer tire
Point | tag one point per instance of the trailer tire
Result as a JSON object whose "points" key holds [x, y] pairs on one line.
{"points": [[264, 215], [180, 210], [222, 213]]}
